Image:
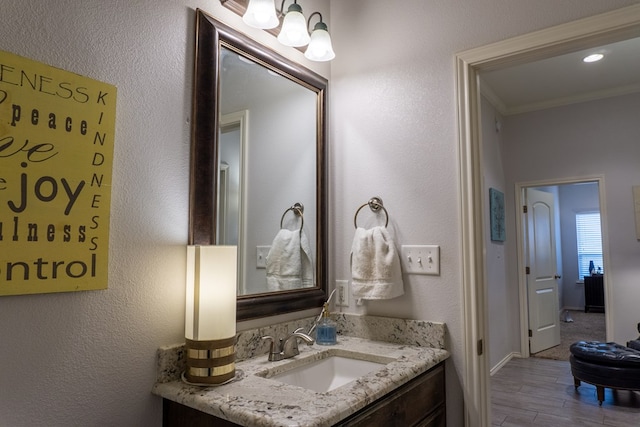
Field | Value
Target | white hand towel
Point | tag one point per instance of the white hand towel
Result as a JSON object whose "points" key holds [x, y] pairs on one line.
{"points": [[375, 265], [306, 261], [288, 262]]}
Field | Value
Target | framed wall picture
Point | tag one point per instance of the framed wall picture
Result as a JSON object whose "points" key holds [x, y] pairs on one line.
{"points": [[496, 206]]}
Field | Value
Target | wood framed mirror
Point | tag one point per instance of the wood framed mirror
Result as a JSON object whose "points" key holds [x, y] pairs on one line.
{"points": [[281, 161]]}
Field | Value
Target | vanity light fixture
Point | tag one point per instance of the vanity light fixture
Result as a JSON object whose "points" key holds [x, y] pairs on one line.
{"points": [[594, 57], [320, 48], [210, 315], [261, 14], [295, 28]]}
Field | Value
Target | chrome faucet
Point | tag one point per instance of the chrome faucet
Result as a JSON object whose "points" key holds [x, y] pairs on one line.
{"points": [[287, 347]]}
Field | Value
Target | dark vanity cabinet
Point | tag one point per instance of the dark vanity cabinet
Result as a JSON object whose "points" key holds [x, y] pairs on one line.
{"points": [[418, 403], [177, 415], [594, 293]]}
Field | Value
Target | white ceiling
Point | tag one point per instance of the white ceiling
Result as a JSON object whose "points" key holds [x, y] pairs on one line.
{"points": [[565, 79]]}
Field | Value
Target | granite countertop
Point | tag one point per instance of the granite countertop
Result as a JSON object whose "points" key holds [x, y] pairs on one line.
{"points": [[257, 401]]}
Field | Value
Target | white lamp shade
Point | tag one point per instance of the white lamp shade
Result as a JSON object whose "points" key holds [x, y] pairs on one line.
{"points": [[211, 292], [294, 30], [320, 48], [261, 14]]}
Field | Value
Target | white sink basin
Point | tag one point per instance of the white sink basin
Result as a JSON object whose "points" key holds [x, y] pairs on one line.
{"points": [[328, 373]]}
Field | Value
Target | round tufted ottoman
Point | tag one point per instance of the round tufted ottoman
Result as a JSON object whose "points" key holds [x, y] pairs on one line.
{"points": [[605, 365]]}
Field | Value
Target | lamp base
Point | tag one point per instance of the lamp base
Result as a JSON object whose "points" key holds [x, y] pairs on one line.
{"points": [[210, 362]]}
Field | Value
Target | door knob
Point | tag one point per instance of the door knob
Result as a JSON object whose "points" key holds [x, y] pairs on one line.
{"points": [[557, 276]]}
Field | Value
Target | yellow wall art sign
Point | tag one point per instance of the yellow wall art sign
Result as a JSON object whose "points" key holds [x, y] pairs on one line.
{"points": [[56, 153]]}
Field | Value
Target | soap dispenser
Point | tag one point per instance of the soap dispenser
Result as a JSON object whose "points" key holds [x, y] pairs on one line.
{"points": [[326, 330]]}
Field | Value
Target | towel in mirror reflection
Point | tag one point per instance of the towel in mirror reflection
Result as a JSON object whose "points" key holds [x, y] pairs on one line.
{"points": [[288, 262]]}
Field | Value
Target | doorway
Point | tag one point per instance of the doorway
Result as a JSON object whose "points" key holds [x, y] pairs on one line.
{"points": [[613, 26], [231, 192], [578, 243]]}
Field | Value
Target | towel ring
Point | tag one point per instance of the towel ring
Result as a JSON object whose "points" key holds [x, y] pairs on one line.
{"points": [[375, 204], [298, 209]]}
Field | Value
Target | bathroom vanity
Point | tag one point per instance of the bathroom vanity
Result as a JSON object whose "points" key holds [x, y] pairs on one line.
{"points": [[420, 402], [400, 385]]}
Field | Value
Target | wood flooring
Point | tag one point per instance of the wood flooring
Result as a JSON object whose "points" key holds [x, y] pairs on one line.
{"points": [[536, 391]]}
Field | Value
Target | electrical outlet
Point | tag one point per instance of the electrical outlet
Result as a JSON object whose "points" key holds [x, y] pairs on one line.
{"points": [[342, 293], [261, 256], [420, 259]]}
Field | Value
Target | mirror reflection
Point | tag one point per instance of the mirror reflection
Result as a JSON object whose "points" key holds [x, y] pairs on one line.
{"points": [[266, 164]]}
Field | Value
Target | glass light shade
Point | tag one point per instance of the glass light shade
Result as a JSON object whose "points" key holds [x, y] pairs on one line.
{"points": [[211, 292], [294, 28], [320, 48], [261, 14]]}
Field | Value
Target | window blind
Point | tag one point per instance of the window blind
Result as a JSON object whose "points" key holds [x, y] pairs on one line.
{"points": [[589, 240]]}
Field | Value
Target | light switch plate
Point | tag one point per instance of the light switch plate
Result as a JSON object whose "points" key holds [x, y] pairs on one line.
{"points": [[420, 259], [261, 256]]}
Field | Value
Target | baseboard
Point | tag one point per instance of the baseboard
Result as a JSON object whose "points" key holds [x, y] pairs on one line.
{"points": [[572, 308], [504, 361]]}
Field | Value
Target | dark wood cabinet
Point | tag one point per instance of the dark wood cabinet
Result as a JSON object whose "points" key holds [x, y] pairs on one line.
{"points": [[594, 293], [418, 403], [177, 415]]}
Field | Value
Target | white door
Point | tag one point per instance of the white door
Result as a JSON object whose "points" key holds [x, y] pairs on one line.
{"points": [[542, 285]]}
